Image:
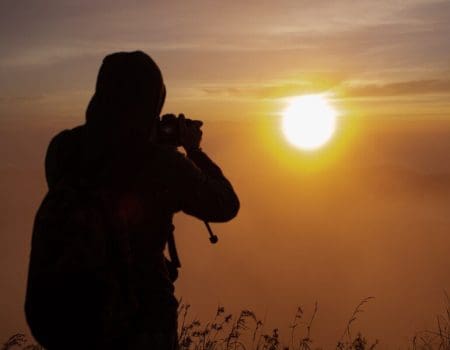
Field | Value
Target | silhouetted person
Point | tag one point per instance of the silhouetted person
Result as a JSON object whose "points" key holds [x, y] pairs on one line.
{"points": [[145, 182]]}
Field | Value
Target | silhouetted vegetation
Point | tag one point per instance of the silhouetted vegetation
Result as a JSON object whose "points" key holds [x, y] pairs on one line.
{"points": [[19, 340], [246, 331], [438, 338]]}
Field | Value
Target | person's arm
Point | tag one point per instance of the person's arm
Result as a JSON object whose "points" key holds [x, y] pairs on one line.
{"points": [[205, 191]]}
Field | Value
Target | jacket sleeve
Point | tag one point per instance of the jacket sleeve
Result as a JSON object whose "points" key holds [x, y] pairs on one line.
{"points": [[205, 192]]}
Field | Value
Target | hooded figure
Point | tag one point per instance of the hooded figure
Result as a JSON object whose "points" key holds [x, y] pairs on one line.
{"points": [[129, 95], [146, 183]]}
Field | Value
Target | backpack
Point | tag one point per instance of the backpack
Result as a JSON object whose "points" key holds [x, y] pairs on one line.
{"points": [[79, 283]]}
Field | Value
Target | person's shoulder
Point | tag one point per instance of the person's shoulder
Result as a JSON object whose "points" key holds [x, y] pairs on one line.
{"points": [[61, 151], [65, 142], [68, 135]]}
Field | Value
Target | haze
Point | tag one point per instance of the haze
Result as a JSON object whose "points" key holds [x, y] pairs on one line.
{"points": [[367, 215]]}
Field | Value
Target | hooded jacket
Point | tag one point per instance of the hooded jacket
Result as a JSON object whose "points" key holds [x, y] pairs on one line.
{"points": [[148, 182]]}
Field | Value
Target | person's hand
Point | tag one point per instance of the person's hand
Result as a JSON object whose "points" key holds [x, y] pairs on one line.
{"points": [[190, 134]]}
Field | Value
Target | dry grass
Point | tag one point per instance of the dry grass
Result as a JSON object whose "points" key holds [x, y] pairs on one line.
{"points": [[245, 331], [438, 338]]}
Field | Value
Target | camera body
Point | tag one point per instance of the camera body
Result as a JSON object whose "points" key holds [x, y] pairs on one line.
{"points": [[168, 127]]}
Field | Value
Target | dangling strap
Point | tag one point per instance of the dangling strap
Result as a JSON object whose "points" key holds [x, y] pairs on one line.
{"points": [[173, 249]]}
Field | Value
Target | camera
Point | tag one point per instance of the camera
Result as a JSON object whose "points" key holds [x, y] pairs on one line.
{"points": [[169, 129]]}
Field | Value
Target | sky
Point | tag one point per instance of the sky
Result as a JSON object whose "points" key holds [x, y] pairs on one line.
{"points": [[247, 51], [366, 215]]}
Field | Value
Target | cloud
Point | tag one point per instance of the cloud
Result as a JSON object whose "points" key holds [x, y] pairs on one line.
{"points": [[28, 98], [265, 91], [341, 88], [398, 88], [430, 11], [251, 49], [56, 29]]}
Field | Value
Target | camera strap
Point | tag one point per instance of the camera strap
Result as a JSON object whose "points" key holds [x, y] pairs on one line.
{"points": [[173, 254]]}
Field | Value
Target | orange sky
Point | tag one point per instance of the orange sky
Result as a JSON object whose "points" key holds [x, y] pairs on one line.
{"points": [[231, 60], [365, 215]]}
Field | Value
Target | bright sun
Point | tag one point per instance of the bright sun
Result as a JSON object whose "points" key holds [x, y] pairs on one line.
{"points": [[309, 121]]}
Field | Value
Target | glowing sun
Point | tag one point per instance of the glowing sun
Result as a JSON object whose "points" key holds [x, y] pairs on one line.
{"points": [[309, 121]]}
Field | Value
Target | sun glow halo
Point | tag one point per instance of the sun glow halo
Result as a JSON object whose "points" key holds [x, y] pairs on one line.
{"points": [[309, 121]]}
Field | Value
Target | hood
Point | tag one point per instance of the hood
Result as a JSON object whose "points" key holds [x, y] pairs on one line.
{"points": [[129, 92]]}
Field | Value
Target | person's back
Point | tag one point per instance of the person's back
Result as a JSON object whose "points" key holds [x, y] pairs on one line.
{"points": [[146, 183]]}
